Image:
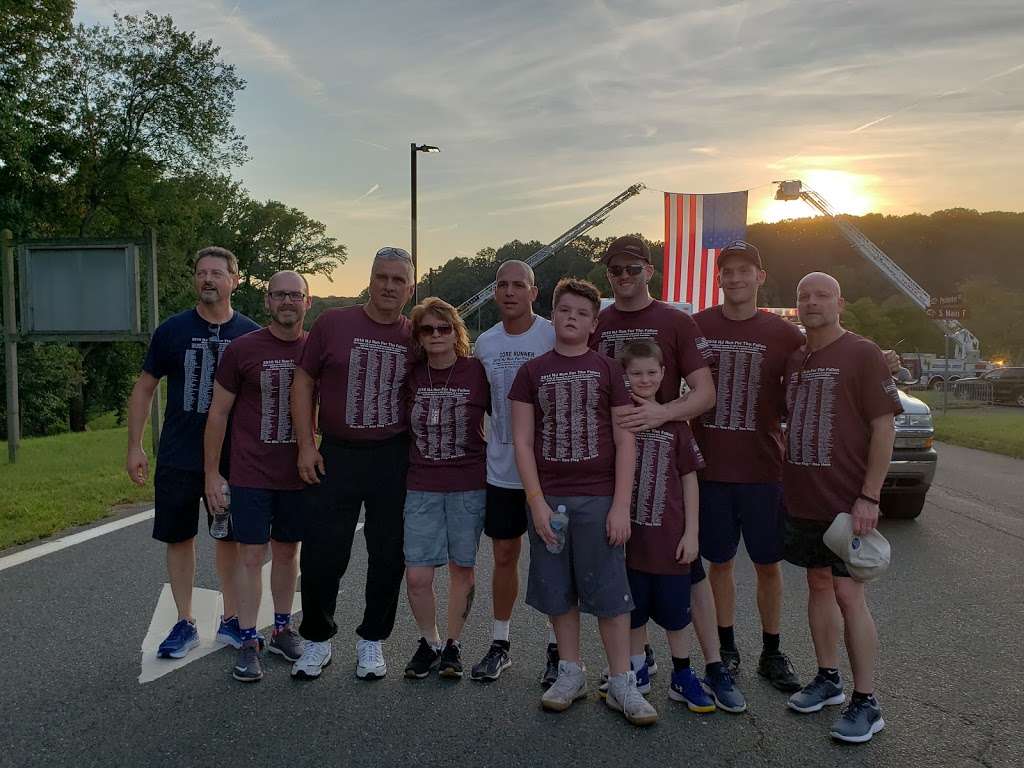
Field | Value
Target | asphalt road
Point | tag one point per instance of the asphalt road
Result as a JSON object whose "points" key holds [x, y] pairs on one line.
{"points": [[951, 684]]}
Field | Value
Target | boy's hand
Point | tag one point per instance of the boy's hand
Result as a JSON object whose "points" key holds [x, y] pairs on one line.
{"points": [[687, 550], [617, 526], [215, 491], [646, 414], [310, 463], [541, 514]]}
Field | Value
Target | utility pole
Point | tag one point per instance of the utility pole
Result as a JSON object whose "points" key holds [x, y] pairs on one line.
{"points": [[10, 349]]}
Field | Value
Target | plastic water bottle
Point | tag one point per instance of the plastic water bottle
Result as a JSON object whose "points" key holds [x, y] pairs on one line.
{"points": [[559, 524], [221, 526]]}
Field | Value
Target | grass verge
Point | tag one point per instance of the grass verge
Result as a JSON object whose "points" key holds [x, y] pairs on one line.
{"points": [[998, 428], [64, 480]]}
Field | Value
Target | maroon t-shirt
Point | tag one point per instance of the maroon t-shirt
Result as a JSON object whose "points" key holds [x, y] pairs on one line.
{"points": [[663, 456], [832, 396], [741, 437], [673, 329], [361, 366], [446, 414], [258, 369], [572, 398]]}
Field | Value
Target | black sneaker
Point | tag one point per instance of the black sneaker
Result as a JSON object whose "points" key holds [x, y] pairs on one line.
{"points": [[652, 664], [451, 660], [424, 660], [778, 669], [494, 663], [550, 674], [730, 659]]}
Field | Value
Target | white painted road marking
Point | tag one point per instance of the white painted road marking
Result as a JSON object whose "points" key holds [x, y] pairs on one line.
{"points": [[208, 606], [56, 545]]}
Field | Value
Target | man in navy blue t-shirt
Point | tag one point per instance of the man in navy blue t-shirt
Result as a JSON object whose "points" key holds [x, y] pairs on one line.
{"points": [[186, 349]]}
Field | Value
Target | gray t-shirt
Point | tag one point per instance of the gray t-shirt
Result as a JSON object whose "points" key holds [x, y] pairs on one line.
{"points": [[502, 354]]}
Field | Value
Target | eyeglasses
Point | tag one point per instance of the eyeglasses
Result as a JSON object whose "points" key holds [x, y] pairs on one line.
{"points": [[630, 269], [430, 330], [282, 295], [390, 252]]}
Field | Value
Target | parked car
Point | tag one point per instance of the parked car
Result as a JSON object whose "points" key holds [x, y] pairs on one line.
{"points": [[913, 462], [1007, 385]]}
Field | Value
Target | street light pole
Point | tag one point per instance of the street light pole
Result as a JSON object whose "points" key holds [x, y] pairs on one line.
{"points": [[415, 263], [413, 149]]}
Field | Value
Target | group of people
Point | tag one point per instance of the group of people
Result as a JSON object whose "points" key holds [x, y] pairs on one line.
{"points": [[628, 444]]}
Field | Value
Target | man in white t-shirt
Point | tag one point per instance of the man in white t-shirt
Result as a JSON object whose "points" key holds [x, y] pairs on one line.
{"points": [[519, 336]]}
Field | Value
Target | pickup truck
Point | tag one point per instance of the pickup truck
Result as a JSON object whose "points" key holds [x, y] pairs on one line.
{"points": [[912, 467]]}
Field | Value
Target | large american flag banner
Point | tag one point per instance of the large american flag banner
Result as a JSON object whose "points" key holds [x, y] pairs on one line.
{"points": [[697, 227]]}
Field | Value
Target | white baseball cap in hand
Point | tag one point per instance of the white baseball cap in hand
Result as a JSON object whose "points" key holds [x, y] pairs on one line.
{"points": [[867, 556]]}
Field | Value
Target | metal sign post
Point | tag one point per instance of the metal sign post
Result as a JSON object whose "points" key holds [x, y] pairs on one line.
{"points": [[154, 321]]}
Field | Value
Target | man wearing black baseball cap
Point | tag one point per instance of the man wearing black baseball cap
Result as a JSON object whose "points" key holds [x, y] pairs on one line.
{"points": [[741, 440], [637, 316]]}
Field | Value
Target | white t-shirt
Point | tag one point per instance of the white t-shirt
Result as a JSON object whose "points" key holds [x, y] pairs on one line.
{"points": [[502, 353]]}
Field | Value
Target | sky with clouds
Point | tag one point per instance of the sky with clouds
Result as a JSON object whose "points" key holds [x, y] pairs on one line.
{"points": [[544, 111]]}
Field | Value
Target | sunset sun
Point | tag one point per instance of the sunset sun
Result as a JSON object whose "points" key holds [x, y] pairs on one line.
{"points": [[846, 192]]}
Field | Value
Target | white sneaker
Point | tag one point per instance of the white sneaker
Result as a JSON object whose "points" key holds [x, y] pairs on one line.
{"points": [[315, 656], [624, 697], [570, 686], [370, 664]]}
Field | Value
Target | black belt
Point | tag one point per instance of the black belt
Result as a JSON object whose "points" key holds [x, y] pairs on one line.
{"points": [[364, 445]]}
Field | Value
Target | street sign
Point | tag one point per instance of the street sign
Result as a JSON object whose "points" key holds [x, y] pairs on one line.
{"points": [[956, 300], [947, 313]]}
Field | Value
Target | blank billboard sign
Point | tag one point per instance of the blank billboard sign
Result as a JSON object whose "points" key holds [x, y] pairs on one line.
{"points": [[75, 289]]}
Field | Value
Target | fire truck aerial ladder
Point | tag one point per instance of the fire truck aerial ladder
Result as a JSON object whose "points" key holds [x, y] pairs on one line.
{"points": [[968, 348], [472, 304]]}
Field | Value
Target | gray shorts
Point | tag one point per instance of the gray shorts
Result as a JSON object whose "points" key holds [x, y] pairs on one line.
{"points": [[588, 573]]}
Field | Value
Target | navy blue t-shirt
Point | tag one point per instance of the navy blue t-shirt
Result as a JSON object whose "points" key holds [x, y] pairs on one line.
{"points": [[186, 349]]}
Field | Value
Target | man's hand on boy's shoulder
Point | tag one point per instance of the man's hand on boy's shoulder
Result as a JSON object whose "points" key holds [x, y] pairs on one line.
{"points": [[644, 414], [618, 525], [686, 551]]}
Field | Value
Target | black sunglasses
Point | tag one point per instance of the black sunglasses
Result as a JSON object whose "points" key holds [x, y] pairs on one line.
{"points": [[429, 330], [629, 269], [213, 343]]}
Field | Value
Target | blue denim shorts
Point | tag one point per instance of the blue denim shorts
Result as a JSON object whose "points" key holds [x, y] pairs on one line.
{"points": [[443, 528]]}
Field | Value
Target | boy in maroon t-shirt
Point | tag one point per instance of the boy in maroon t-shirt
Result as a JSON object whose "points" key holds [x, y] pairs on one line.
{"points": [[573, 458], [252, 385], [664, 538], [841, 400]]}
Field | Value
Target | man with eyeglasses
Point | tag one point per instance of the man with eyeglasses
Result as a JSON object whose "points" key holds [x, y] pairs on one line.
{"points": [[359, 358], [253, 386], [186, 348], [741, 440], [518, 337], [841, 401], [636, 316]]}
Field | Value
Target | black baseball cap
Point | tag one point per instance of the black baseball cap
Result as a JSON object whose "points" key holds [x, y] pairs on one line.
{"points": [[628, 245], [741, 249]]}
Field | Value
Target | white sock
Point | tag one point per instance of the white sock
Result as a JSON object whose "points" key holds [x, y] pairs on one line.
{"points": [[551, 635], [433, 638], [501, 630], [637, 661]]}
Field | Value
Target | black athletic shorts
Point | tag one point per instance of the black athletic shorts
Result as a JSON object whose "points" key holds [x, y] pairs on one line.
{"points": [[505, 515], [804, 547], [176, 508]]}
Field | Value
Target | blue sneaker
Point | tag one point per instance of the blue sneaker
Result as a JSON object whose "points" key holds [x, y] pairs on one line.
{"points": [[230, 632], [725, 693], [182, 638], [686, 687]]}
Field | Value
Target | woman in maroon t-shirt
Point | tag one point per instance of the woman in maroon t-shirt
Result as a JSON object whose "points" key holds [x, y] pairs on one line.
{"points": [[447, 393]]}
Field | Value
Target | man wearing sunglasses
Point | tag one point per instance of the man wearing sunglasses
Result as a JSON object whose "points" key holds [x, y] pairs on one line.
{"points": [[252, 386], [186, 348], [636, 316], [741, 440], [359, 358]]}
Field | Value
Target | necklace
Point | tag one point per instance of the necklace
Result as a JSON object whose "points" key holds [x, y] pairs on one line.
{"points": [[434, 411]]}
